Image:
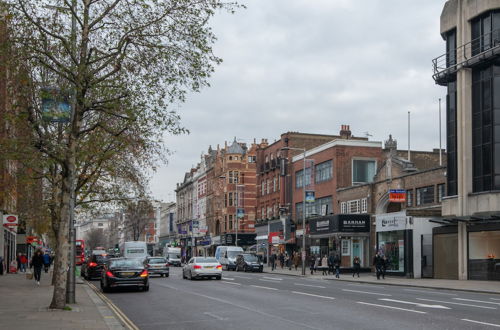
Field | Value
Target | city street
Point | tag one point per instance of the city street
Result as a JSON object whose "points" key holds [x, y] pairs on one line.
{"points": [[267, 301]]}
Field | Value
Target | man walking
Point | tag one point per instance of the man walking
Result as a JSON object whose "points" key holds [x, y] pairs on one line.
{"points": [[46, 261], [336, 263], [37, 264], [378, 263], [273, 261], [23, 260]]}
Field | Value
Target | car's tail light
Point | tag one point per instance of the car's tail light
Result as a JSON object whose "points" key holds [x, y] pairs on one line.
{"points": [[148, 265], [109, 274], [219, 267], [92, 264], [144, 273], [166, 265], [197, 267]]}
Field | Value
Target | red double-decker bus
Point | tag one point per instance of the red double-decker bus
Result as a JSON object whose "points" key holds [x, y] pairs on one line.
{"points": [[80, 251]]}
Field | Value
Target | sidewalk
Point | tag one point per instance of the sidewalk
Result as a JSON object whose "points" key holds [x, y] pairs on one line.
{"points": [[473, 286], [24, 305]]}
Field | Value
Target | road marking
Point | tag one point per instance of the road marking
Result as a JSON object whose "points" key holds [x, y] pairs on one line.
{"points": [[454, 303], [229, 279], [233, 283], [391, 307], [494, 299], [414, 303], [490, 324], [312, 295], [273, 278], [432, 292], [248, 278], [220, 318], [380, 294], [312, 286], [261, 279], [368, 286], [263, 287], [479, 301]]}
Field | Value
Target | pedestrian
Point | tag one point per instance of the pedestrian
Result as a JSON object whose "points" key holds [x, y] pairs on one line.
{"points": [[385, 264], [273, 261], [282, 260], [312, 261], [287, 261], [377, 262], [317, 262], [296, 260], [23, 260], [46, 261], [37, 264], [336, 264], [330, 264], [357, 265], [18, 259], [324, 265], [1, 265]]}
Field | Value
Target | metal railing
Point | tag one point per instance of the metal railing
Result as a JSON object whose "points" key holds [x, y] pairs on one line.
{"points": [[486, 45]]}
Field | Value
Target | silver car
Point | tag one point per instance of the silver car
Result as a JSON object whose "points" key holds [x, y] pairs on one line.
{"points": [[200, 267]]}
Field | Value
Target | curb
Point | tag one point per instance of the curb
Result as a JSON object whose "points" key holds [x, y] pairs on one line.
{"points": [[386, 283], [119, 320]]}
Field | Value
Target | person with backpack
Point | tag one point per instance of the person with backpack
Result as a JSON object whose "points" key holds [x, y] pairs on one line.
{"points": [[46, 261], [37, 263]]}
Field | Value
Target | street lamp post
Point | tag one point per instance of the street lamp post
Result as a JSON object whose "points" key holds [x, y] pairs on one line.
{"points": [[240, 203], [303, 206]]}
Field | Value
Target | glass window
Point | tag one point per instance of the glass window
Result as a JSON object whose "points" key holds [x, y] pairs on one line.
{"points": [[440, 192], [425, 195], [299, 178], [324, 171], [484, 255], [343, 207], [363, 171], [353, 206], [409, 198], [364, 205], [346, 247], [391, 244]]}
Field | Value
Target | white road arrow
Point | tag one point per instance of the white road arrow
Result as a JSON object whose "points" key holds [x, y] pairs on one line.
{"points": [[415, 303]]}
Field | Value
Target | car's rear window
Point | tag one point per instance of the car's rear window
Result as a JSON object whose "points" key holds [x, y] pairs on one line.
{"points": [[100, 259], [157, 261], [126, 263], [205, 260]]}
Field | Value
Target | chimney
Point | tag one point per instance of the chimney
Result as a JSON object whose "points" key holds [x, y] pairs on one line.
{"points": [[345, 132]]}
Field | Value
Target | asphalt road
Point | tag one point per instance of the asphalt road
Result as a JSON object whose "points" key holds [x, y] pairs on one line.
{"points": [[266, 301]]}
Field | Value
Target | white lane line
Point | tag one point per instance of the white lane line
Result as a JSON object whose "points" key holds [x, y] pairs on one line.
{"points": [[245, 277], [214, 316], [368, 286], [479, 301], [391, 307], [490, 324], [494, 299], [310, 285], [312, 295], [261, 279], [454, 303], [229, 279], [263, 287], [273, 278], [233, 283], [431, 292], [414, 303], [365, 292]]}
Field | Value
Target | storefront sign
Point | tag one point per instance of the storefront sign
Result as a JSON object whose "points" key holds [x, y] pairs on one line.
{"points": [[10, 220], [323, 225], [216, 240], [310, 196], [391, 221], [358, 223], [397, 195]]}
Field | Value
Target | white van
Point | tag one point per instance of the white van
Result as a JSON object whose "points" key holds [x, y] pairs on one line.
{"points": [[173, 255], [135, 249], [226, 255]]}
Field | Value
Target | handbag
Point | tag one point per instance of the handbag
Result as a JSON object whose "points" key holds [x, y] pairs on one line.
{"points": [[29, 275]]}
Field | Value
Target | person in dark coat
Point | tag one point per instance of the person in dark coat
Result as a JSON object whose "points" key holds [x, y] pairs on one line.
{"points": [[330, 264], [385, 264], [336, 263], [356, 262], [312, 261], [37, 264], [378, 263], [1, 265], [46, 261], [273, 261], [282, 260]]}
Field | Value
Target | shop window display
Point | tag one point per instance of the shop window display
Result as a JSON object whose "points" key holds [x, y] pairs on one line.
{"points": [[391, 245], [484, 255]]}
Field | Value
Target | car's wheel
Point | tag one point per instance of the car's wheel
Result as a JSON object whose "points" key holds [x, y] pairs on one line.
{"points": [[219, 278], [146, 288], [167, 274], [237, 268], [104, 288], [183, 276], [191, 276], [246, 269]]}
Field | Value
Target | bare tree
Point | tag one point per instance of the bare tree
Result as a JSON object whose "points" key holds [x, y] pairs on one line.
{"points": [[137, 215], [96, 237], [123, 62]]}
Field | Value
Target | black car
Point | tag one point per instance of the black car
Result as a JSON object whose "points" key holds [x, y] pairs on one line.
{"points": [[123, 272], [157, 265], [248, 262], [92, 267]]}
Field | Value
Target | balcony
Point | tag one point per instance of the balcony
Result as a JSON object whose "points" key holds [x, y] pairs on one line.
{"points": [[478, 51]]}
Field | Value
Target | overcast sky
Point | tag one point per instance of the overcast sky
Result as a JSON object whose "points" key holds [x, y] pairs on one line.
{"points": [[311, 66]]}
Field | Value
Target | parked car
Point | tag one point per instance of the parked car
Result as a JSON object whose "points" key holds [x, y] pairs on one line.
{"points": [[123, 272], [248, 262], [93, 265], [202, 267], [157, 265]]}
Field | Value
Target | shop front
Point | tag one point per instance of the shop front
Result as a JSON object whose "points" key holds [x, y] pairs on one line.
{"points": [[203, 246], [394, 241], [345, 235], [262, 245], [8, 233], [244, 240]]}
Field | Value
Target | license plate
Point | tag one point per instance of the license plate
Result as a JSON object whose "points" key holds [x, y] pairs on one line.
{"points": [[157, 266], [209, 267], [128, 274]]}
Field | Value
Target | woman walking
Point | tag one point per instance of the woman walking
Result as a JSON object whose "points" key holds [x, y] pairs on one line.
{"points": [[357, 266], [37, 264]]}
